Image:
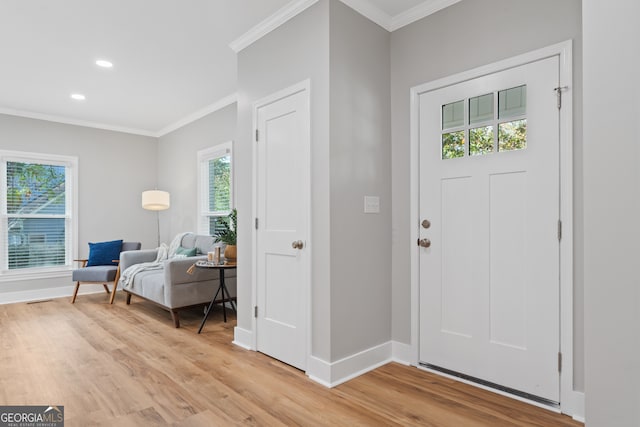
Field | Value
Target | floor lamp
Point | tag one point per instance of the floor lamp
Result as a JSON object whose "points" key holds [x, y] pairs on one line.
{"points": [[156, 200]]}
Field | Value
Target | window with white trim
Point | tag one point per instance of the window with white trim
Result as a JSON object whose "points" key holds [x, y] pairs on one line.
{"points": [[215, 189], [37, 212], [492, 123]]}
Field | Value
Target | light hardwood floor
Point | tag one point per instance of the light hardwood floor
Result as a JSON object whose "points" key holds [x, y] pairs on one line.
{"points": [[118, 365]]}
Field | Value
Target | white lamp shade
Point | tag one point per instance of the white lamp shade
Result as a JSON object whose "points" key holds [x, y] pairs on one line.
{"points": [[156, 200]]}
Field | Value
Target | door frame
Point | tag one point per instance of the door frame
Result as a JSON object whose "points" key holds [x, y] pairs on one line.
{"points": [[303, 86], [570, 401]]}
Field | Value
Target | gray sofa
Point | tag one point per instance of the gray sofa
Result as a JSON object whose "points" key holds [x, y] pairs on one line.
{"points": [[171, 286]]}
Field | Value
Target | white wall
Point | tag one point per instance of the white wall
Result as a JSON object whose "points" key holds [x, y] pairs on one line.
{"points": [[612, 212], [360, 165], [461, 37], [178, 169], [114, 169]]}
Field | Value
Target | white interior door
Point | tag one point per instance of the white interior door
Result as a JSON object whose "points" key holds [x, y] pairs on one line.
{"points": [[489, 186], [282, 236]]}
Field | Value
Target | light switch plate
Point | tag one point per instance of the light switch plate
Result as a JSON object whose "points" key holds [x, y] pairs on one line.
{"points": [[371, 204]]}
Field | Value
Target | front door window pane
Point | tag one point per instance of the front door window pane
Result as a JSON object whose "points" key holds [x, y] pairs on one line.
{"points": [[512, 135], [492, 122], [512, 102], [481, 108], [453, 145], [481, 140], [453, 115]]}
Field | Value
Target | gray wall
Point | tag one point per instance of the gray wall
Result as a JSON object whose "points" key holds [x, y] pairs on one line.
{"points": [[114, 169], [178, 167], [296, 51], [437, 46], [360, 151], [612, 209], [350, 149]]}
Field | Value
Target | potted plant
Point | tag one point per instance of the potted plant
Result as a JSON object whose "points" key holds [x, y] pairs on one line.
{"points": [[227, 235]]}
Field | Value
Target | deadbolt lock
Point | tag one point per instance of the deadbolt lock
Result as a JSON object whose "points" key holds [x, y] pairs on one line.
{"points": [[426, 223]]}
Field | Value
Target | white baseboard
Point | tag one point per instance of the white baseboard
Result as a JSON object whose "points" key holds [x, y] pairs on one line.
{"points": [[340, 371], [47, 293], [577, 412], [355, 365], [335, 373], [401, 353], [243, 338], [319, 371]]}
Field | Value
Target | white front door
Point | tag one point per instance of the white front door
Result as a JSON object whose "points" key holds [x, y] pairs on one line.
{"points": [[489, 189], [282, 235]]}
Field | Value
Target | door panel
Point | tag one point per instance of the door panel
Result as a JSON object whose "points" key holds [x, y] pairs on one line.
{"points": [[457, 251], [489, 184], [277, 295], [282, 271], [507, 259]]}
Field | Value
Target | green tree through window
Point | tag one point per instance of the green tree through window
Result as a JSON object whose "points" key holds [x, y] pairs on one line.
{"points": [[512, 135], [35, 219], [220, 188], [216, 191]]}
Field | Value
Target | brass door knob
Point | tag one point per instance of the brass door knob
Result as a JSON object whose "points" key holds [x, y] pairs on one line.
{"points": [[298, 244], [424, 243]]}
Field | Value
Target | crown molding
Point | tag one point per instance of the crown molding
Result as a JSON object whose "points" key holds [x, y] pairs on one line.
{"points": [[420, 11], [363, 7], [271, 23], [75, 122], [392, 23], [218, 105], [371, 12]]}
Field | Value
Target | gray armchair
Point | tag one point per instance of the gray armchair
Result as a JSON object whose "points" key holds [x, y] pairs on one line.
{"points": [[171, 286], [102, 274]]}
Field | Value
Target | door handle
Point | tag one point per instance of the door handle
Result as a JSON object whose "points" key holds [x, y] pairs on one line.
{"points": [[425, 243], [298, 244]]}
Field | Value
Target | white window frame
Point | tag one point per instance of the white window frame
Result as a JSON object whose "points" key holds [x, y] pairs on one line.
{"points": [[204, 156], [71, 215]]}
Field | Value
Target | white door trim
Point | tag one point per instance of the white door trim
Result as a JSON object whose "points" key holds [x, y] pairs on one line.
{"points": [[304, 86], [569, 400]]}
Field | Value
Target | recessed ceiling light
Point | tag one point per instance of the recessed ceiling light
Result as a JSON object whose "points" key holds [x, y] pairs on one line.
{"points": [[104, 63], [78, 96]]}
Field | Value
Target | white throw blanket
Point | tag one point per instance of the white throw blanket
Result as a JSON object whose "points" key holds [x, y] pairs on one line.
{"points": [[164, 253]]}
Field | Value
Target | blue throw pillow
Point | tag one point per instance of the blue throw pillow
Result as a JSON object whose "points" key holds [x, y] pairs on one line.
{"points": [[104, 253]]}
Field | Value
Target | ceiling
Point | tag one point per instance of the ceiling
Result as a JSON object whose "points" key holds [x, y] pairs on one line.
{"points": [[172, 60]]}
